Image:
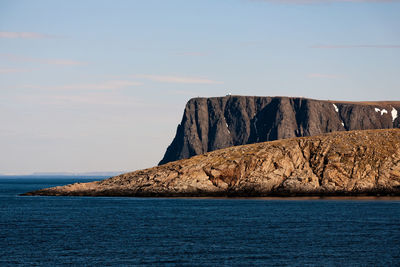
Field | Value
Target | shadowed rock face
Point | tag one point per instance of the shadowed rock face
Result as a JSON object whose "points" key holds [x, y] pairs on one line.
{"points": [[209, 124], [340, 163]]}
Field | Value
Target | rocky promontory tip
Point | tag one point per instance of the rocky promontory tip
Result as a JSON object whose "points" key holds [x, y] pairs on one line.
{"points": [[340, 163]]}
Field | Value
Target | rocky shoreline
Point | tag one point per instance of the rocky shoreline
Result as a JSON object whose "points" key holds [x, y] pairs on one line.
{"points": [[354, 163]]}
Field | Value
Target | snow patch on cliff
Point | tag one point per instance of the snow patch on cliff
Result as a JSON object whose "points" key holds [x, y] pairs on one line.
{"points": [[227, 127], [394, 114], [336, 108], [383, 111]]}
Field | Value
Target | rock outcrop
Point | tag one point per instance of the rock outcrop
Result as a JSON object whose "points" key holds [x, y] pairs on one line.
{"points": [[209, 124], [341, 163]]}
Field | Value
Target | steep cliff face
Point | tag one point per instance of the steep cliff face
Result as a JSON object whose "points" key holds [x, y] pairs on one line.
{"points": [[209, 124], [340, 163]]}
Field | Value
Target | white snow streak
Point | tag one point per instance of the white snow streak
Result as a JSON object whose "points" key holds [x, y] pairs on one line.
{"points": [[394, 114], [383, 111], [227, 127], [336, 108]]}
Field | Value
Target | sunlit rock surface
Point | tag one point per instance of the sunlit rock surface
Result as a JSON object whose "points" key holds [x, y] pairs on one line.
{"points": [[209, 124], [341, 163]]}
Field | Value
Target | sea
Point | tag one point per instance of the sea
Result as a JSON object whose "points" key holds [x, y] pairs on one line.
{"points": [[117, 231]]}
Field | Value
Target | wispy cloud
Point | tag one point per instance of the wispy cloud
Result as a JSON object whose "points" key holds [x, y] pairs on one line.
{"points": [[102, 86], [324, 1], [192, 54], [89, 98], [9, 70], [254, 44], [101, 93], [24, 35], [65, 62], [176, 79], [183, 92], [322, 75], [355, 46]]}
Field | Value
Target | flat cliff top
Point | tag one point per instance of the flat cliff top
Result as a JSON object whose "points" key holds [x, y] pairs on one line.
{"points": [[341, 163], [380, 102]]}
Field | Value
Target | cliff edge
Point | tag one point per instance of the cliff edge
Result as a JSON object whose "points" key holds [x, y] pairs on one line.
{"points": [[214, 123], [341, 163]]}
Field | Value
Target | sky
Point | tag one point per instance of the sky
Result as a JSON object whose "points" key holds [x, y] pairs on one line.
{"points": [[101, 85]]}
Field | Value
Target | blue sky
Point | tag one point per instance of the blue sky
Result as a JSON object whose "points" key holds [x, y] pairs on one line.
{"points": [[101, 85]]}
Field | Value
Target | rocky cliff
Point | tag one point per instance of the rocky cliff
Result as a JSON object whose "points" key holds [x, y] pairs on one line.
{"points": [[209, 124], [341, 163]]}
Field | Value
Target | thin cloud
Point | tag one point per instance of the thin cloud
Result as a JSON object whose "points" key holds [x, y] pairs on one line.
{"points": [[253, 44], [24, 35], [65, 62], [108, 85], [103, 86], [176, 79], [106, 93], [192, 54], [354, 46], [322, 75], [88, 99], [91, 98], [183, 92], [7, 70]]}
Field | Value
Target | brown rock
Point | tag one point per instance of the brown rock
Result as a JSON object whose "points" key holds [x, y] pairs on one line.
{"points": [[341, 163], [214, 123]]}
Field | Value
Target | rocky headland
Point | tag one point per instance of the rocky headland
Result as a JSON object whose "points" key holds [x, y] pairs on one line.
{"points": [[341, 163], [210, 124]]}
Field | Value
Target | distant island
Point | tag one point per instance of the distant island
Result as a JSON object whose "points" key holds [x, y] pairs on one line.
{"points": [[349, 149], [76, 174]]}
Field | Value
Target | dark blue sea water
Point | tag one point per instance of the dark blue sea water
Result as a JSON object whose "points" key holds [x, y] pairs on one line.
{"points": [[50, 231]]}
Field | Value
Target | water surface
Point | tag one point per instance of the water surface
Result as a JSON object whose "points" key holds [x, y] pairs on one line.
{"points": [[148, 231]]}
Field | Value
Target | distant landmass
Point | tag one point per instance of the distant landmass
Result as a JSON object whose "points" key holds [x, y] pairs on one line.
{"points": [[214, 123], [102, 174], [78, 173], [352, 163]]}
